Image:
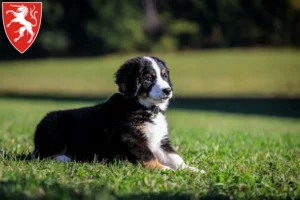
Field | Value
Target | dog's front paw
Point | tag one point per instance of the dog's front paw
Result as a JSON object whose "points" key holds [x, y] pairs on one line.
{"points": [[166, 168], [193, 169]]}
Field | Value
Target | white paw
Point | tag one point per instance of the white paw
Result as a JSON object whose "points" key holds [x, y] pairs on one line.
{"points": [[167, 168], [193, 169], [63, 158]]}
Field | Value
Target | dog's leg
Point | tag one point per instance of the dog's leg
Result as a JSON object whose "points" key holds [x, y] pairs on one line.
{"points": [[48, 140], [140, 152], [174, 161], [168, 156], [154, 164]]}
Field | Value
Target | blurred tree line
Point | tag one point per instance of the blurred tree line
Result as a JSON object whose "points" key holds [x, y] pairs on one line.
{"points": [[95, 27]]}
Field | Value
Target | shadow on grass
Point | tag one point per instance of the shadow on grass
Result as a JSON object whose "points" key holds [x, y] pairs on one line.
{"points": [[276, 106], [34, 189], [38, 190]]}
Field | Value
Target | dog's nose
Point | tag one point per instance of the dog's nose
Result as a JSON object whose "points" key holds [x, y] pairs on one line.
{"points": [[167, 91]]}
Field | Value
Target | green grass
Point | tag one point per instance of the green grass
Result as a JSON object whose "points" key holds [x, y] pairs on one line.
{"points": [[212, 73], [245, 157]]}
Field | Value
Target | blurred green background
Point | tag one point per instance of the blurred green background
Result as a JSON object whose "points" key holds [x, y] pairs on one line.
{"points": [[99, 27], [262, 73], [217, 50]]}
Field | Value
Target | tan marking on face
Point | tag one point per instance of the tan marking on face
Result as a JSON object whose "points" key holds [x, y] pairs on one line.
{"points": [[153, 73], [153, 164], [163, 72]]}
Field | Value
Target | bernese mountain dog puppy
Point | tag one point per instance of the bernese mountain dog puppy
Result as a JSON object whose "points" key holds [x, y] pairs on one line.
{"points": [[129, 125]]}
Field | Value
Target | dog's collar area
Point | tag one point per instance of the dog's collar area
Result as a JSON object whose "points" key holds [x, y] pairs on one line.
{"points": [[155, 110]]}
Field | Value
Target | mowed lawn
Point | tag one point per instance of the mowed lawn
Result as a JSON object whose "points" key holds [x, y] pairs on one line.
{"points": [[209, 73], [244, 157]]}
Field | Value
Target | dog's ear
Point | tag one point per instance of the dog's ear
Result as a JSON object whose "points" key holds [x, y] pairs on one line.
{"points": [[128, 77]]}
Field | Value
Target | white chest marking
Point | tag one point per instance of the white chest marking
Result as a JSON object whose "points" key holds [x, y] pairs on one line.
{"points": [[155, 132]]}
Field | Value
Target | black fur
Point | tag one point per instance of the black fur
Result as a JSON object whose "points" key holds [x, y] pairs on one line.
{"points": [[107, 130], [129, 76]]}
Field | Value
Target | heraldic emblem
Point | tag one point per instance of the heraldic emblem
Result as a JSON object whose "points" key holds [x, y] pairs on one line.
{"points": [[21, 21]]}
